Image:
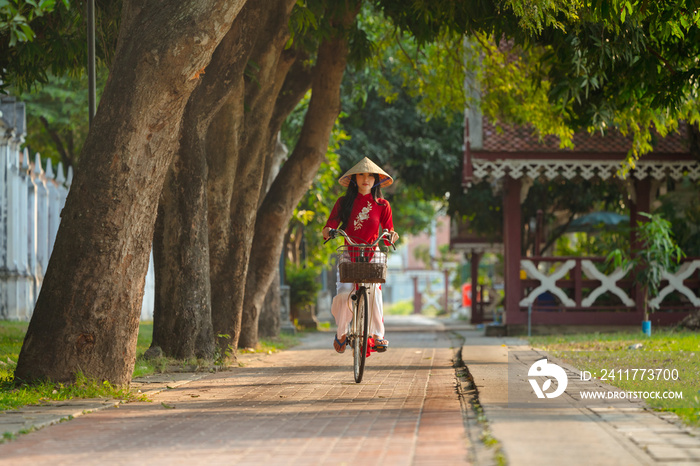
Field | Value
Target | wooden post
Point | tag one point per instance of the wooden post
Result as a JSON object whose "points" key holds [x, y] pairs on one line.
{"points": [[578, 280], [447, 290], [511, 245], [477, 308], [416, 296], [641, 203]]}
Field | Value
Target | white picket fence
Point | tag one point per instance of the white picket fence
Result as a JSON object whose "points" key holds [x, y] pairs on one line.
{"points": [[31, 200]]}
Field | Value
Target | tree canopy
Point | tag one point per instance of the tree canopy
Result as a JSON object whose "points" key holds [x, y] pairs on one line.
{"points": [[49, 38], [619, 64]]}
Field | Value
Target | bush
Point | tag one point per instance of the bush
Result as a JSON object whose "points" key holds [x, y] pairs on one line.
{"points": [[303, 287]]}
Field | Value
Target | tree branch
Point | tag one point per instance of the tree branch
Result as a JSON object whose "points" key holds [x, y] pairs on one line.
{"points": [[662, 59]]}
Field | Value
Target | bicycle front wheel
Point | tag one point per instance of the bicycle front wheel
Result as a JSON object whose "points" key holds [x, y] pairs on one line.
{"points": [[360, 327]]}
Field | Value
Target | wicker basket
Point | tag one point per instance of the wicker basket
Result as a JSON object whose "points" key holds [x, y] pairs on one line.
{"points": [[358, 265], [362, 272]]}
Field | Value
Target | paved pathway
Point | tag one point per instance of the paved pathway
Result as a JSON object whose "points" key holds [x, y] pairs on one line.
{"points": [[296, 407], [302, 406]]}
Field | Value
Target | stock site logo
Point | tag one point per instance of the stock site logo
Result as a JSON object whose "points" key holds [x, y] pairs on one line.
{"points": [[542, 368]]}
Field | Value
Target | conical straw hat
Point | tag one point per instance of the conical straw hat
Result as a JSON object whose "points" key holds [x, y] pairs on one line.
{"points": [[366, 166]]}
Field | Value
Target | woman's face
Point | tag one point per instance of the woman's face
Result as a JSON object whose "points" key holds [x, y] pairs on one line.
{"points": [[365, 181]]}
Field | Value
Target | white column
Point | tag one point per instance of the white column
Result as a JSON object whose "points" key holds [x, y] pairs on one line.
{"points": [[42, 220], [24, 280], [13, 219], [14, 277], [4, 184], [17, 305], [149, 292], [62, 190], [69, 178], [32, 209], [54, 207]]}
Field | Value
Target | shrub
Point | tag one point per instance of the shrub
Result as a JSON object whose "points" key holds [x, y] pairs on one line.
{"points": [[303, 287]]}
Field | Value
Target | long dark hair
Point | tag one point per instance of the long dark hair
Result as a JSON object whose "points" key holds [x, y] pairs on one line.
{"points": [[351, 194]]}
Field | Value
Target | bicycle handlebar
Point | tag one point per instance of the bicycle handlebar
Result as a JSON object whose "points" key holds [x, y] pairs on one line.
{"points": [[333, 233]]}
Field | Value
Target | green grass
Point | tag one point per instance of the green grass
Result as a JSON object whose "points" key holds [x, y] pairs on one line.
{"points": [[405, 307], [399, 308], [665, 349], [274, 345], [13, 395], [11, 338]]}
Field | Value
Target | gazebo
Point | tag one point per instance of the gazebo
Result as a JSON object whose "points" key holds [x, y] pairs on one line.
{"points": [[511, 157]]}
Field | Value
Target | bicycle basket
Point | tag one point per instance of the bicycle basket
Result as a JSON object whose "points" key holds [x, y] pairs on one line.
{"points": [[361, 265]]}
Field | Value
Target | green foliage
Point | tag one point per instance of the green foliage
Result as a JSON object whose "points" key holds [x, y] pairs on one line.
{"points": [[16, 16], [59, 43], [439, 262], [311, 213], [657, 252], [682, 209], [574, 197], [303, 287], [592, 63], [399, 308], [314, 20], [57, 116], [592, 244], [423, 155], [221, 358], [482, 209], [560, 66]]}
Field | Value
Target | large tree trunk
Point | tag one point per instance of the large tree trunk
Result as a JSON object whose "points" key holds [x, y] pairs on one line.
{"points": [[295, 85], [269, 63], [182, 309], [269, 324], [87, 315], [182, 325], [297, 173]]}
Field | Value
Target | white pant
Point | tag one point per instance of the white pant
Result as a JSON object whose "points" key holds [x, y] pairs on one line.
{"points": [[342, 309]]}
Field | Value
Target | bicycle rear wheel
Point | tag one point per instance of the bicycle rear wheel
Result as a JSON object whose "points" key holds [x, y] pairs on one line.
{"points": [[360, 328]]}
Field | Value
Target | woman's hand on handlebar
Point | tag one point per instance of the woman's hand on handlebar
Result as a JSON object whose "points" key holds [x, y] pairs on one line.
{"points": [[390, 238], [329, 234], [394, 237]]}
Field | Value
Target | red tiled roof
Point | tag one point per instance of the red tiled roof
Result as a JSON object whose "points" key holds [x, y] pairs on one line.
{"points": [[523, 139]]}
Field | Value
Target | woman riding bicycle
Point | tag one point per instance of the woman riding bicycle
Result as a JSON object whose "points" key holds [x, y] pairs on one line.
{"points": [[362, 213]]}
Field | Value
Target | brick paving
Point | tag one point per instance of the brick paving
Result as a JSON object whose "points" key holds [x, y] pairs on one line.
{"points": [[296, 407], [302, 406]]}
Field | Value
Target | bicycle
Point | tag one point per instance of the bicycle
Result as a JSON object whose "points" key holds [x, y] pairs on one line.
{"points": [[361, 264]]}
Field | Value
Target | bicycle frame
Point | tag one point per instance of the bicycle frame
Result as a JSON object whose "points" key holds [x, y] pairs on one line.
{"points": [[358, 334]]}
